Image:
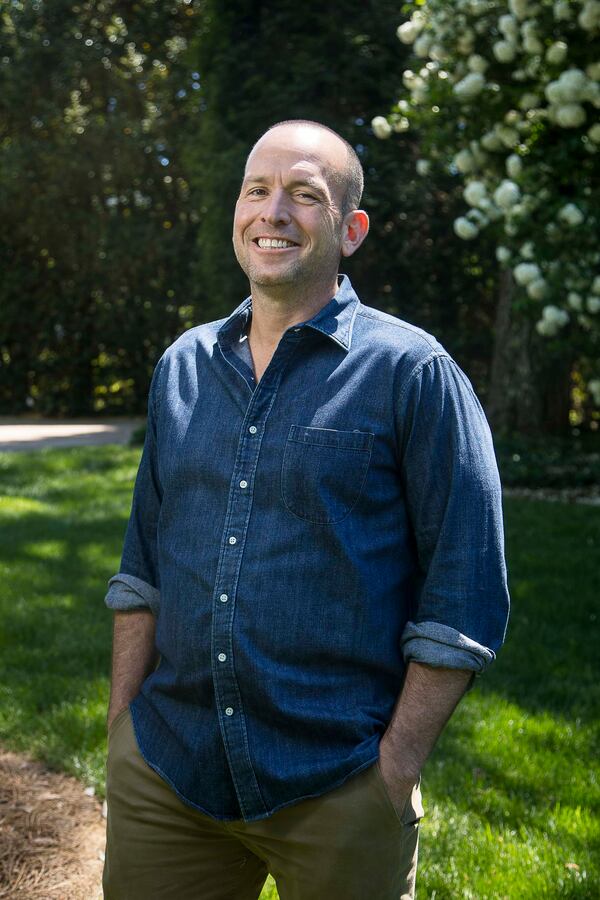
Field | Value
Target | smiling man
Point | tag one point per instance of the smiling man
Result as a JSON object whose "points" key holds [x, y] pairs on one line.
{"points": [[312, 572]]}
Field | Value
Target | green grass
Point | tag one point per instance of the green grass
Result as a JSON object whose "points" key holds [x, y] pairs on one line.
{"points": [[511, 791]]}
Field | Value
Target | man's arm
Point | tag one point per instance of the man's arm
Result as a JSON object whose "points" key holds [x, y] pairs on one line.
{"points": [[428, 698], [134, 657]]}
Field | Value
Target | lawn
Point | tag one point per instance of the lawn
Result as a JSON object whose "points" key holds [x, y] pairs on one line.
{"points": [[512, 791]]}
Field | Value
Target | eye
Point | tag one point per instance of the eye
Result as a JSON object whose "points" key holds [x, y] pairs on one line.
{"points": [[256, 192], [304, 195]]}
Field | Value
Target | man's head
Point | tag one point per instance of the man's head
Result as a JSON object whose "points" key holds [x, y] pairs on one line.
{"points": [[301, 188], [351, 179]]}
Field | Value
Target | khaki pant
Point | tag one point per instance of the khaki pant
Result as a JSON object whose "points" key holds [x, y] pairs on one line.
{"points": [[347, 844]]}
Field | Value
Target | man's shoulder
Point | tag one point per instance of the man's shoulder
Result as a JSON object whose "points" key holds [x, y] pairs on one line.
{"points": [[390, 333], [200, 335]]}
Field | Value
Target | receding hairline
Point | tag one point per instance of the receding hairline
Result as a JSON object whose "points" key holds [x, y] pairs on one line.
{"points": [[352, 177]]}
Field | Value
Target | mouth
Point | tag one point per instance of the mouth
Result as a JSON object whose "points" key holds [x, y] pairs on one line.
{"points": [[265, 243]]}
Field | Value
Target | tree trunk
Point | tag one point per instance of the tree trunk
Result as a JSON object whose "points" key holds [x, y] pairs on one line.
{"points": [[514, 400]]}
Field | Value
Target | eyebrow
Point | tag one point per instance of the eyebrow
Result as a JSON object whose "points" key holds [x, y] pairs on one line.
{"points": [[312, 183]]}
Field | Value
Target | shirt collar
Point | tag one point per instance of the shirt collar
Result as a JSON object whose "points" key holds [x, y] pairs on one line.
{"points": [[335, 319]]}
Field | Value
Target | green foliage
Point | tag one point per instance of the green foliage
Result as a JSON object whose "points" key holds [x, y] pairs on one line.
{"points": [[124, 134], [553, 463], [96, 227], [511, 792]]}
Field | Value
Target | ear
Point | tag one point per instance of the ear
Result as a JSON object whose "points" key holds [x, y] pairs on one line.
{"points": [[354, 231]]}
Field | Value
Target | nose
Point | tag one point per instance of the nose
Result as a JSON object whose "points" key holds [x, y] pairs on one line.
{"points": [[275, 210]]}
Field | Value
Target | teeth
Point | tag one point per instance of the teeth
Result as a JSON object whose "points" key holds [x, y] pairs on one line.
{"points": [[274, 244]]}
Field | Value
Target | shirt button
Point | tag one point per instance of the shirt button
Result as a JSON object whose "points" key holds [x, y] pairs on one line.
{"points": [[229, 711], [253, 429], [222, 657], [233, 540], [224, 598], [243, 484]]}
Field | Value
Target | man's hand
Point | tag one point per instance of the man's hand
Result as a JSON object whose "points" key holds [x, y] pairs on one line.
{"points": [[399, 784], [134, 657], [427, 700]]}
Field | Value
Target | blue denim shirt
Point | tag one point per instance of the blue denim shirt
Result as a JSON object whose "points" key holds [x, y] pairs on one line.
{"points": [[300, 540]]}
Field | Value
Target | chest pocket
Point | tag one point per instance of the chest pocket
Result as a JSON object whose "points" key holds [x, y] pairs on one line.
{"points": [[323, 472]]}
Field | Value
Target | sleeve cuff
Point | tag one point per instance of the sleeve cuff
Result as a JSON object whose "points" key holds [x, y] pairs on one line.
{"points": [[128, 592], [439, 645]]}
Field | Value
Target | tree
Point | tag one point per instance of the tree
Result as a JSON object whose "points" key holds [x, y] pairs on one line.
{"points": [[503, 95], [95, 226]]}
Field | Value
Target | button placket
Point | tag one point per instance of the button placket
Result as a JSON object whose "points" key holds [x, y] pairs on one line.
{"points": [[227, 692]]}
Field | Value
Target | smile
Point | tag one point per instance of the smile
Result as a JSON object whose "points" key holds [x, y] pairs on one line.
{"points": [[274, 243]]}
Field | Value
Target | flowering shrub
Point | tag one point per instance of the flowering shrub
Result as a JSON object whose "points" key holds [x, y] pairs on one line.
{"points": [[506, 94]]}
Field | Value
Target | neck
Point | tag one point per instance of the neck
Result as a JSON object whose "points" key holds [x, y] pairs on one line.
{"points": [[275, 309]]}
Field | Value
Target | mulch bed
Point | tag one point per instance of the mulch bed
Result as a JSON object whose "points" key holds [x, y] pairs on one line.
{"points": [[52, 834]]}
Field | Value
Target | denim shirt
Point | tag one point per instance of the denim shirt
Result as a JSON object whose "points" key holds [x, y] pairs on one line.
{"points": [[299, 541]]}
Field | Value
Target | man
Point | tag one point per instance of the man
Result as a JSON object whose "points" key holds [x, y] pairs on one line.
{"points": [[314, 558]]}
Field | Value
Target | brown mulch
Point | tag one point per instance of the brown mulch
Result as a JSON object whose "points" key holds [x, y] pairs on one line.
{"points": [[52, 834]]}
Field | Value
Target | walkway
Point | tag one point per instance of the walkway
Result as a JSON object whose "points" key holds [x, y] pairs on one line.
{"points": [[33, 434]]}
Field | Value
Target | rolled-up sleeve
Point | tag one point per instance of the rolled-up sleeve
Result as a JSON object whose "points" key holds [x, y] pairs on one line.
{"points": [[454, 502], [137, 584]]}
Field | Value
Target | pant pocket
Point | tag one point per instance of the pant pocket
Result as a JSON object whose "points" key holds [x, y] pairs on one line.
{"points": [[412, 812]]}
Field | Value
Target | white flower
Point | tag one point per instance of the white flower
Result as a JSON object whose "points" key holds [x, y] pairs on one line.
{"points": [[529, 101], [437, 52], [507, 194], [504, 51], [476, 216], [555, 316], [593, 304], [464, 162], [408, 78], [571, 214], [526, 272], [491, 141], [465, 42], [381, 127], [593, 387], [537, 289], [596, 285], [508, 136], [502, 254], [401, 124], [407, 32], [469, 87], [592, 93], [573, 83], [562, 10], [465, 229], [574, 300], [475, 192], [594, 133], [527, 251], [593, 71], [509, 27], [589, 17], [422, 44], [533, 46], [556, 53], [546, 329], [477, 63], [423, 166], [570, 115], [519, 8], [514, 165]]}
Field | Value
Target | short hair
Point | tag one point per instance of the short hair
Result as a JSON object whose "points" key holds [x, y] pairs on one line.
{"points": [[353, 176]]}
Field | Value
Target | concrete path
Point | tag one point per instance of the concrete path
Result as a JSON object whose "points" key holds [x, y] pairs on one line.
{"points": [[33, 434]]}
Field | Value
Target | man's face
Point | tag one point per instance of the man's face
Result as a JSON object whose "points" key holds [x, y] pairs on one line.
{"points": [[288, 223]]}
